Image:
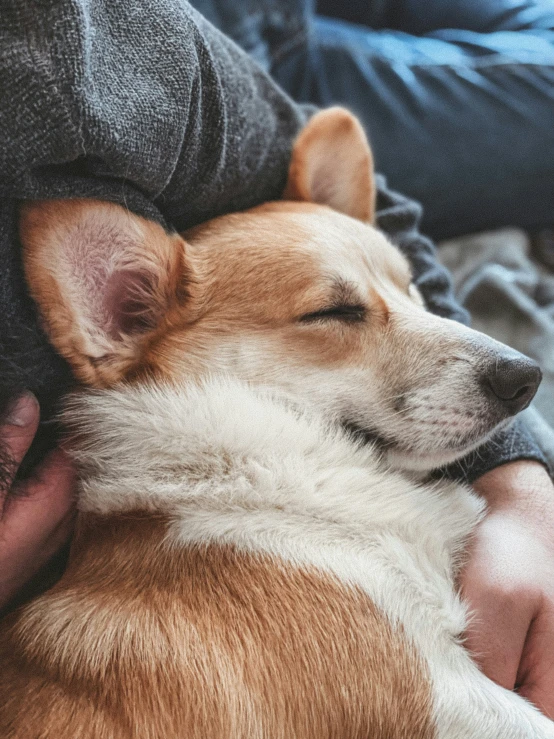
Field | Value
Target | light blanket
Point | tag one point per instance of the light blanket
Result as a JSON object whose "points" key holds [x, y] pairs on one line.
{"points": [[511, 298]]}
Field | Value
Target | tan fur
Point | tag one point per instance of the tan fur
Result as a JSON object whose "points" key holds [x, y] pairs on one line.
{"points": [[242, 274], [250, 272], [141, 640], [333, 137], [272, 254]]}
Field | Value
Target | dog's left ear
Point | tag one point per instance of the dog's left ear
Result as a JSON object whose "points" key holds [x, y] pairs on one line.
{"points": [[332, 165]]}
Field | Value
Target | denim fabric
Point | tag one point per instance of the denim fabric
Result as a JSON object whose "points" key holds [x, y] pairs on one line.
{"points": [[457, 95], [267, 29]]}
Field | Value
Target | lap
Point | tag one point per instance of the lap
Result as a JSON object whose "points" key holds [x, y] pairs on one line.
{"points": [[461, 122], [458, 119], [421, 17]]}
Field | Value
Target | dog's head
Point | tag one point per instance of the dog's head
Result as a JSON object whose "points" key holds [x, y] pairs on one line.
{"points": [[303, 295]]}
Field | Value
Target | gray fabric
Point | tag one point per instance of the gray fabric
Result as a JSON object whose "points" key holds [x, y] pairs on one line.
{"points": [[542, 432], [144, 92], [511, 298], [141, 103], [146, 104]]}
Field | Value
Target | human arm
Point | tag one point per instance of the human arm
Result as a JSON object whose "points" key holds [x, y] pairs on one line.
{"points": [[509, 582], [140, 103]]}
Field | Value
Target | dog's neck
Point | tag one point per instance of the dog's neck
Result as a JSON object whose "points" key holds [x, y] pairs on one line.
{"points": [[156, 449], [229, 463]]}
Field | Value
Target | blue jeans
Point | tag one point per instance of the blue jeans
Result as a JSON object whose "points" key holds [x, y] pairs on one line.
{"points": [[457, 95]]}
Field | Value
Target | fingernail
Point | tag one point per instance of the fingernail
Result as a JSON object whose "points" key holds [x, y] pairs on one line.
{"points": [[23, 411]]}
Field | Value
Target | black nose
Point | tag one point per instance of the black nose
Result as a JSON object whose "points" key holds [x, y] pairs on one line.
{"points": [[513, 380]]}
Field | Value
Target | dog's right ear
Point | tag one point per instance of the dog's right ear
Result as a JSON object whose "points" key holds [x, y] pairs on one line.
{"points": [[105, 281], [332, 165]]}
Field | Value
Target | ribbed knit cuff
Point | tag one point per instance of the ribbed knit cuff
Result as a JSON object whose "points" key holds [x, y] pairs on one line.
{"points": [[511, 445]]}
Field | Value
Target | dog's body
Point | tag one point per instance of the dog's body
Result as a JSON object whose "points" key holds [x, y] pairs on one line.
{"points": [[243, 567]]}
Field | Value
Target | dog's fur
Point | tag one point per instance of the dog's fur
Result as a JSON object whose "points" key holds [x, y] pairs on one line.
{"points": [[243, 567]]}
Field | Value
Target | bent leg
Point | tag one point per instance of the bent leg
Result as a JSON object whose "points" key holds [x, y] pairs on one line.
{"points": [[460, 120], [420, 17], [462, 123]]}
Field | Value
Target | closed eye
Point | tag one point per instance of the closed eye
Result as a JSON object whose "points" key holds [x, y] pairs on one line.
{"points": [[344, 313]]}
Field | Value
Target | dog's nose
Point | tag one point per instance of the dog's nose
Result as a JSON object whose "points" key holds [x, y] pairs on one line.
{"points": [[513, 380]]}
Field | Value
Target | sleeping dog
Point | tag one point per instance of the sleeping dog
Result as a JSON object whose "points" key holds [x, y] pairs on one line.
{"points": [[253, 555]]}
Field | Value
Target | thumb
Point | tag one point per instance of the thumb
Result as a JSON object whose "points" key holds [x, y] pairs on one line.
{"points": [[16, 434]]}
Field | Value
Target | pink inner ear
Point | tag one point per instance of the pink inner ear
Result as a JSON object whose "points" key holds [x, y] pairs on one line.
{"points": [[129, 303], [323, 173], [324, 188]]}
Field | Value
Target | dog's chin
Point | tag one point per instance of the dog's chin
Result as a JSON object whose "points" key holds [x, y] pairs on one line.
{"points": [[421, 461]]}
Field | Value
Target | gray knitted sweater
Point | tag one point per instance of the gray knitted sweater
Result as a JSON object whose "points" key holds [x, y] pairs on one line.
{"points": [[144, 103]]}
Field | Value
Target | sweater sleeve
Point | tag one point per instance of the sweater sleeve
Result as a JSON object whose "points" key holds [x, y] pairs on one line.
{"points": [[108, 97], [399, 217]]}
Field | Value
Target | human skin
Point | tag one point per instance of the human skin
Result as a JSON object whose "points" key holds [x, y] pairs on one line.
{"points": [[509, 582], [508, 579], [36, 516]]}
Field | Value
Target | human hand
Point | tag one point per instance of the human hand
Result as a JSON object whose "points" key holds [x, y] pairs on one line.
{"points": [[35, 515], [509, 582]]}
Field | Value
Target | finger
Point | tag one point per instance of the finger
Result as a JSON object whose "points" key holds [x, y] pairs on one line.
{"points": [[536, 674], [501, 608], [36, 523], [42, 500], [503, 605], [29, 562], [16, 434]]}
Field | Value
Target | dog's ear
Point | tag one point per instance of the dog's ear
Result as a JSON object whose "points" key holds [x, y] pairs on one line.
{"points": [[332, 165], [104, 279]]}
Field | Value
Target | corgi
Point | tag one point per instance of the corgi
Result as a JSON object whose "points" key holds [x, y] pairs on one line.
{"points": [[257, 552]]}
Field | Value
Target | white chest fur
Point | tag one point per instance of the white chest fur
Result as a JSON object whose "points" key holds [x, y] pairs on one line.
{"points": [[232, 465]]}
